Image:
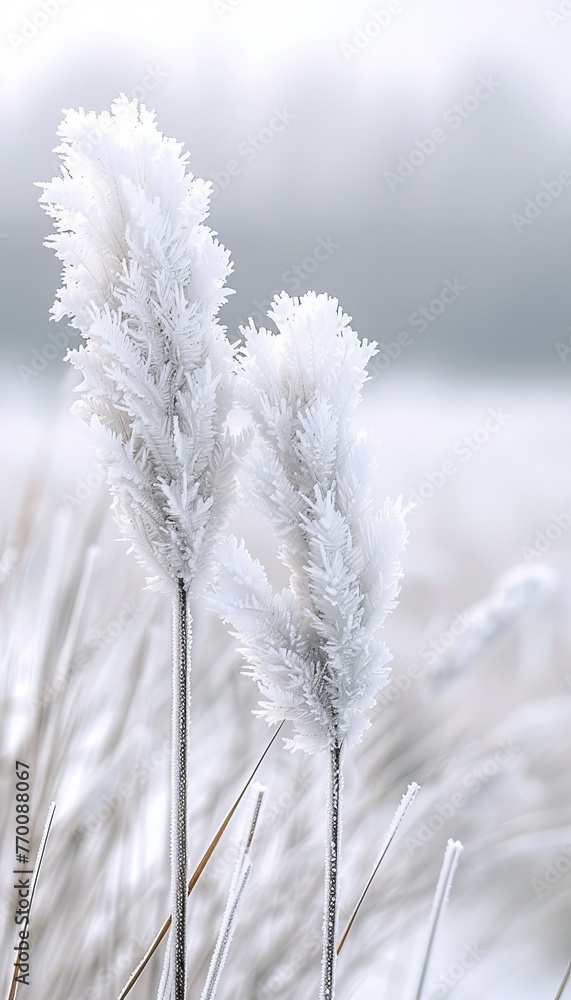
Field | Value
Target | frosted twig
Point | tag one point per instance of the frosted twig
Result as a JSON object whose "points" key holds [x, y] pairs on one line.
{"points": [[33, 884], [405, 802], [451, 855], [240, 877]]}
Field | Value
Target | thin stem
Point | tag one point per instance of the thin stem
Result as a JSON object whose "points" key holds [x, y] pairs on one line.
{"points": [[180, 705], [405, 802], [332, 846], [240, 877], [564, 982], [451, 855]]}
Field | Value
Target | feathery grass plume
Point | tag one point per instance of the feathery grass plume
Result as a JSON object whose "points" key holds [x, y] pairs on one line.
{"points": [[515, 594], [143, 281], [314, 649]]}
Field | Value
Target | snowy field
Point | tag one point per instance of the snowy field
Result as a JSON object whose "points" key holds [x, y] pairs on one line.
{"points": [[477, 712]]}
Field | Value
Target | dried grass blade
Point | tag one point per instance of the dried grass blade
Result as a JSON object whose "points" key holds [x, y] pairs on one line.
{"points": [[34, 882], [197, 873]]}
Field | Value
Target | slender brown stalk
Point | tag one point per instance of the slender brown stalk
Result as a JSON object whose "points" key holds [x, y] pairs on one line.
{"points": [[332, 847], [33, 884], [182, 637], [137, 972], [405, 802]]}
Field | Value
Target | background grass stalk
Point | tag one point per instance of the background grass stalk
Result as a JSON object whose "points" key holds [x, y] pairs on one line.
{"points": [[182, 637], [564, 982], [332, 847]]}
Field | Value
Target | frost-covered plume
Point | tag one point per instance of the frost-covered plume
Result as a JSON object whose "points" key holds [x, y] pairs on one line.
{"points": [[143, 281], [315, 648]]}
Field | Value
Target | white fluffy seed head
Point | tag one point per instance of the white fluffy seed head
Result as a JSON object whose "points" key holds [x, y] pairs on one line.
{"points": [[143, 280], [314, 649]]}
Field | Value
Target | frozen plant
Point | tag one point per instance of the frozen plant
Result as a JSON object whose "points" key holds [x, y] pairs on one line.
{"points": [[314, 649], [143, 281]]}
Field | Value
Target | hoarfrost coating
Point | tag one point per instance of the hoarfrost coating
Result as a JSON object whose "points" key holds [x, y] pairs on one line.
{"points": [[143, 280], [314, 648]]}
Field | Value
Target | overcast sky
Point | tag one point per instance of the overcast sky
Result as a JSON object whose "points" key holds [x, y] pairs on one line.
{"points": [[411, 158]]}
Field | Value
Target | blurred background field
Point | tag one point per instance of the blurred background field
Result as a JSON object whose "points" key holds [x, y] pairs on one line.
{"points": [[473, 415]]}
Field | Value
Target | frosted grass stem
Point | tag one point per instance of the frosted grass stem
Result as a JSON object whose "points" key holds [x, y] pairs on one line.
{"points": [[137, 972], [332, 851], [182, 637], [36, 872], [451, 856]]}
